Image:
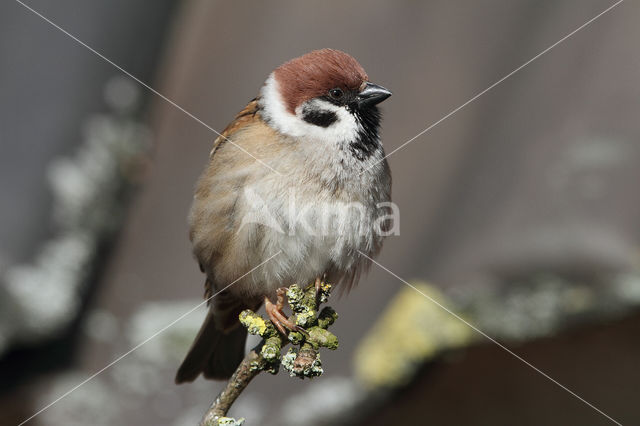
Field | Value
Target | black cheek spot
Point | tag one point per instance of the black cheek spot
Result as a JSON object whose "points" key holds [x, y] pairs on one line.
{"points": [[319, 118]]}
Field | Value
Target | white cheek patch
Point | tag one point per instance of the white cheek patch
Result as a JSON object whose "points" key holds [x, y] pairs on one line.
{"points": [[344, 129]]}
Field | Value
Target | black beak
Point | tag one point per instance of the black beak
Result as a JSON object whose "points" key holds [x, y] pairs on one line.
{"points": [[372, 94]]}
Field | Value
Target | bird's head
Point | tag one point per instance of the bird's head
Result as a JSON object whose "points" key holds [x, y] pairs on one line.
{"points": [[324, 95]]}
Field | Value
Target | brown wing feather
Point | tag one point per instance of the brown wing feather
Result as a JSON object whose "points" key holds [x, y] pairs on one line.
{"points": [[242, 119], [219, 346]]}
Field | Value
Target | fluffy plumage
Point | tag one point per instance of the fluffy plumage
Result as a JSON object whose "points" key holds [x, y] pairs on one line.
{"points": [[243, 212]]}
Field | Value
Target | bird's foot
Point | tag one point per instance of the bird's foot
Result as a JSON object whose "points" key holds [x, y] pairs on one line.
{"points": [[277, 316]]}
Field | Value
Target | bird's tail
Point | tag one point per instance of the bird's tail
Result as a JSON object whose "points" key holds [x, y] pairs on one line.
{"points": [[215, 353]]}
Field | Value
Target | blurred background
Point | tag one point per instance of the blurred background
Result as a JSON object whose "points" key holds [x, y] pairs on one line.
{"points": [[520, 212]]}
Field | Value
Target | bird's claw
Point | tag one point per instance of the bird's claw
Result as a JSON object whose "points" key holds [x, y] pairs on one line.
{"points": [[277, 316]]}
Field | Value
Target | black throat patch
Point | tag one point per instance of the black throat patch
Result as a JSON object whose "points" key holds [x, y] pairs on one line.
{"points": [[368, 140], [318, 117]]}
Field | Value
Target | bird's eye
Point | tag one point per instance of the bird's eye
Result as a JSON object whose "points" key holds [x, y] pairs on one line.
{"points": [[336, 93]]}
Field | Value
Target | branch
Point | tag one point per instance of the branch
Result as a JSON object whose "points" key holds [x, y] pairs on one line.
{"points": [[301, 360]]}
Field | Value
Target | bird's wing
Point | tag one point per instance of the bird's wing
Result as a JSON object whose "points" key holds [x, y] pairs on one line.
{"points": [[219, 346], [242, 119], [214, 217]]}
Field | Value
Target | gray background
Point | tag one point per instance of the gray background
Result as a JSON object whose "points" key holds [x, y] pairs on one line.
{"points": [[539, 174]]}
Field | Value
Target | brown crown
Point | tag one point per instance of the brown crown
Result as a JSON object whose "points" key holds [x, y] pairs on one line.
{"points": [[315, 73]]}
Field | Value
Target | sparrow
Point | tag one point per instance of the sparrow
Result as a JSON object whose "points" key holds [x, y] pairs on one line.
{"points": [[296, 186]]}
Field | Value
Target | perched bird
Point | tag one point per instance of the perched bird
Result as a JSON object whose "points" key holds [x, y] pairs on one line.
{"points": [[295, 186]]}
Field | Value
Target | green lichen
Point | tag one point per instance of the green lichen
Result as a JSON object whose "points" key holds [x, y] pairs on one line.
{"points": [[296, 338], [303, 303], [327, 317], [416, 329], [319, 337], [256, 325], [288, 359], [295, 297], [303, 359], [257, 365], [306, 318], [271, 349], [303, 362], [325, 291], [228, 421]]}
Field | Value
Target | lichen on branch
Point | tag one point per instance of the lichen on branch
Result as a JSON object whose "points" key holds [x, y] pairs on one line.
{"points": [[301, 360]]}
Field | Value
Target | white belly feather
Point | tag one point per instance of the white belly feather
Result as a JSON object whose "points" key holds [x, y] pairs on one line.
{"points": [[313, 234]]}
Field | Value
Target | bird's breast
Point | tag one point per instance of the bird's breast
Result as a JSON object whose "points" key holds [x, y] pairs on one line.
{"points": [[314, 228]]}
